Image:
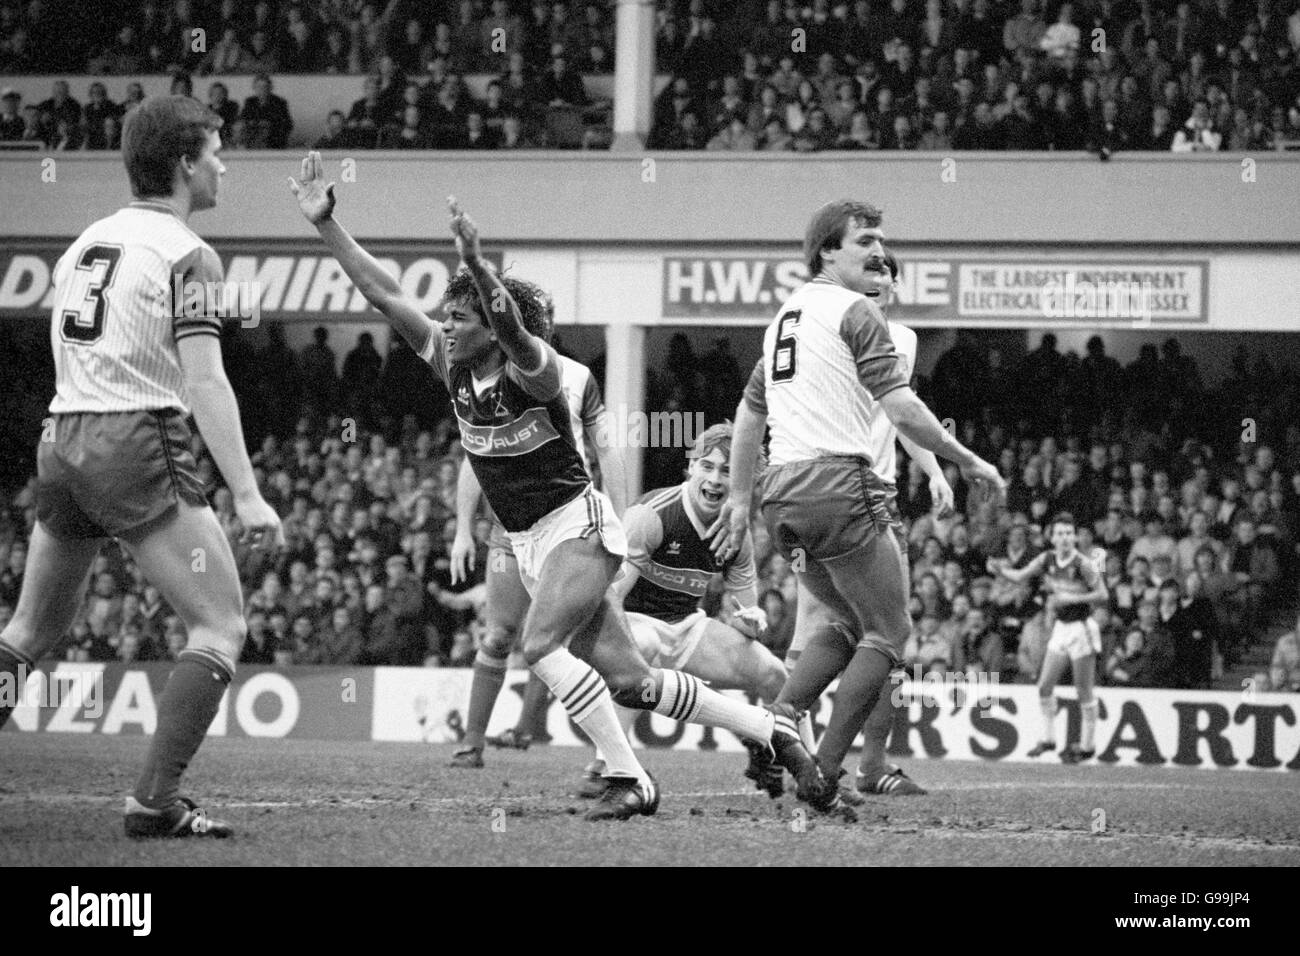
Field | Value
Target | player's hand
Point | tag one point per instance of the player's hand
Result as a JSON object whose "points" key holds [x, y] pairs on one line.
{"points": [[941, 496], [737, 529], [719, 533], [750, 621], [985, 477], [464, 231], [261, 524], [463, 557], [315, 197]]}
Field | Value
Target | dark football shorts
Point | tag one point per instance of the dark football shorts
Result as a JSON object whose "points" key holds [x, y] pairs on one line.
{"points": [[107, 473], [826, 506]]}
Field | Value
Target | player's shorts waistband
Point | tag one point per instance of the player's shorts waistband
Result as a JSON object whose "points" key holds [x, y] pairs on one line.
{"points": [[164, 413]]}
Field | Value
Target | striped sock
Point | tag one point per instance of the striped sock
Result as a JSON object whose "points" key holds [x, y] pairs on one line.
{"points": [[185, 711], [626, 718], [806, 733], [1088, 732], [686, 698], [15, 666], [1049, 718], [585, 698]]}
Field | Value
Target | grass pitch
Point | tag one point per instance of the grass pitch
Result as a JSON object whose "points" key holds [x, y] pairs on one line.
{"points": [[333, 804]]}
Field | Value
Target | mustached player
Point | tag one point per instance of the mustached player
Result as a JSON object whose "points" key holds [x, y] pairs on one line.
{"points": [[1074, 585], [505, 386], [507, 599], [129, 369], [874, 774], [829, 368]]}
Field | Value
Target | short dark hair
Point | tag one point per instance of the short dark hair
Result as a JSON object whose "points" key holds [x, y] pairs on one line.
{"points": [[827, 228], [1063, 517], [158, 133]]}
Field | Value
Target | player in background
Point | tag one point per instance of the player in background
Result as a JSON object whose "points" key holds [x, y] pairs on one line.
{"points": [[128, 372], [507, 598], [874, 774], [505, 387], [829, 369], [669, 567], [1074, 585]]}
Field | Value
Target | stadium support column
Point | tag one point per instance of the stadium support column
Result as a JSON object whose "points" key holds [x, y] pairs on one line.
{"points": [[625, 393], [634, 70]]}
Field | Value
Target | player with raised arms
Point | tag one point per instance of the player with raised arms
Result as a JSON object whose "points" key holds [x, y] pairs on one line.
{"points": [[505, 386], [1074, 585], [129, 370], [829, 369], [507, 598]]}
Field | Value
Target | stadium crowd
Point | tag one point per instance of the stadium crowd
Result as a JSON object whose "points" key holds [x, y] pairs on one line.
{"points": [[1197, 513], [1102, 75]]}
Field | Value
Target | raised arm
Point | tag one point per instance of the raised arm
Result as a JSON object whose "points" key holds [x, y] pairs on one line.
{"points": [[379, 286], [521, 347]]}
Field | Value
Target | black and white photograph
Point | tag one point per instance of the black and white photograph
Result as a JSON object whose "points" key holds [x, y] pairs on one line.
{"points": [[652, 433]]}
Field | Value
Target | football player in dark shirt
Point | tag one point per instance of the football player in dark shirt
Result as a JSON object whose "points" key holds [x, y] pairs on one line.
{"points": [[1074, 585], [505, 386]]}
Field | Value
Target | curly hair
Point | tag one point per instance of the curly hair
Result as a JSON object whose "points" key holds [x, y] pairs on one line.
{"points": [[535, 306]]}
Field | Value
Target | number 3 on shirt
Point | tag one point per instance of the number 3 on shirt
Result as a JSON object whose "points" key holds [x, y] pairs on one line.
{"points": [[92, 276], [784, 357]]}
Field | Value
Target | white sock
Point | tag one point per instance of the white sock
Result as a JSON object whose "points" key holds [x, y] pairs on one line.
{"points": [[1049, 718], [686, 698], [1088, 732], [626, 718], [806, 733], [585, 697]]}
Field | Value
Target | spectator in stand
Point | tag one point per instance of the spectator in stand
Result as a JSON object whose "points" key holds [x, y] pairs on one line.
{"points": [[226, 56], [1253, 563], [336, 135], [367, 115], [734, 137], [1198, 134], [1284, 670], [261, 645], [1024, 31], [926, 649], [560, 86], [1154, 541], [12, 125], [219, 102], [265, 116]]}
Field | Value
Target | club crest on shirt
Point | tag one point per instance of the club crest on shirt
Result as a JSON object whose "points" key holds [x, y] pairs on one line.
{"points": [[462, 395], [674, 547], [500, 411]]}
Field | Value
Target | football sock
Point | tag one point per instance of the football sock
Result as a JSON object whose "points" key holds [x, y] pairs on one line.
{"points": [[824, 656], [585, 697], [626, 718], [806, 733], [484, 688], [1088, 732], [15, 666], [686, 698], [860, 687], [188, 704], [875, 732], [1049, 718], [532, 713]]}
